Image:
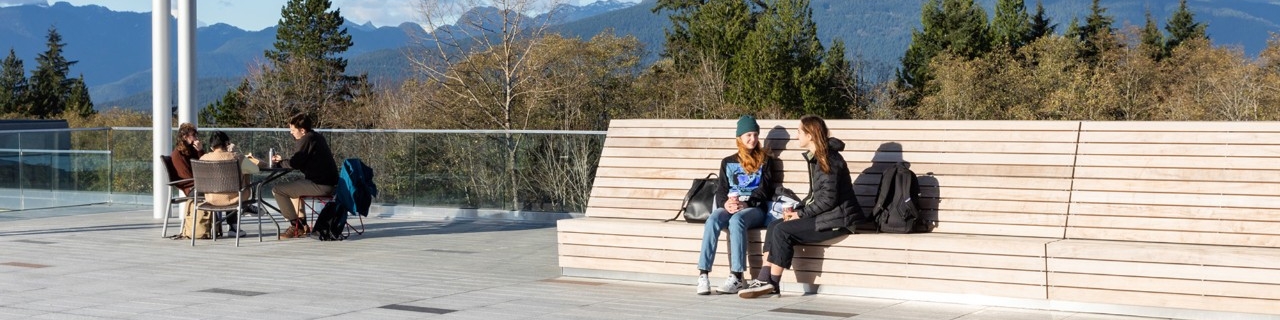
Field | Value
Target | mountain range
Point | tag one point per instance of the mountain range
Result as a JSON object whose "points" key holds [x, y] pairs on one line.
{"points": [[113, 49]]}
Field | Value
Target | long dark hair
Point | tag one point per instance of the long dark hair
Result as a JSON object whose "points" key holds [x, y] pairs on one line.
{"points": [[817, 130]]}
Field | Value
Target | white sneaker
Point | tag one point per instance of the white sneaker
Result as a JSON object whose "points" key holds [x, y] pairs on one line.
{"points": [[756, 289], [704, 285], [731, 286]]}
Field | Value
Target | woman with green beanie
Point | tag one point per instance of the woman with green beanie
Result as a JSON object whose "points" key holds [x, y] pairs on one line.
{"points": [[746, 185]]}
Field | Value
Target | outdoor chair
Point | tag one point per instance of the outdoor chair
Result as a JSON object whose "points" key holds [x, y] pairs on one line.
{"points": [[175, 195], [224, 176]]}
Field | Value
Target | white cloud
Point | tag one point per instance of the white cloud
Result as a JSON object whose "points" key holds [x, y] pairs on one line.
{"points": [[10, 3]]}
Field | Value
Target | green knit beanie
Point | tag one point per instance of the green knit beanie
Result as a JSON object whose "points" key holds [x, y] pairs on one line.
{"points": [[747, 124]]}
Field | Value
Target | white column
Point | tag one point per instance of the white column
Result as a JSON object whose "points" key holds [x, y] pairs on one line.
{"points": [[160, 126], [186, 61]]}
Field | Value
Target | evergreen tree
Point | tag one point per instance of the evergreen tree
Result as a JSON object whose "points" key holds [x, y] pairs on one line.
{"points": [[78, 101], [307, 30], [1152, 40], [307, 63], [702, 30], [13, 84], [1182, 27], [1041, 24], [1096, 33], [1011, 25], [49, 84], [1073, 30], [228, 112], [958, 27]]}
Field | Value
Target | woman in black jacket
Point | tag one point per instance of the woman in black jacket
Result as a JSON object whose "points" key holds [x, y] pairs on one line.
{"points": [[828, 212]]}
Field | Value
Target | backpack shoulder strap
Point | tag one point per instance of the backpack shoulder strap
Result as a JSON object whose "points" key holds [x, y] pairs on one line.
{"points": [[688, 195], [882, 193]]}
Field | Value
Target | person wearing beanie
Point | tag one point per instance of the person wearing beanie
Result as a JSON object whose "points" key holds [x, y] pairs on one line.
{"points": [[746, 185]]}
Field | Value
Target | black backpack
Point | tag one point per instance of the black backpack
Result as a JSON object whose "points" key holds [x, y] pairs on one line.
{"points": [[896, 209], [330, 222]]}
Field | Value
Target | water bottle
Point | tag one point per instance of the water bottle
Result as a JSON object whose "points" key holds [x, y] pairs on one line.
{"points": [[271, 158]]}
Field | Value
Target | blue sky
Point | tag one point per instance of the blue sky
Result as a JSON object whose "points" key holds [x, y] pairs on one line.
{"points": [[258, 14]]}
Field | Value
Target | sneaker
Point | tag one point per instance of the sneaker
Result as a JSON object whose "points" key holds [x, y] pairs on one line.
{"points": [[704, 285], [756, 289], [236, 233], [731, 286]]}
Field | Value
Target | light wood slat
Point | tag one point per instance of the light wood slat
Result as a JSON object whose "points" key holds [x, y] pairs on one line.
{"points": [[902, 136], [1183, 126], [625, 203], [1187, 237], [765, 124], [1178, 162], [978, 169], [1245, 257], [1174, 286], [1165, 300], [999, 229], [636, 193], [968, 158], [829, 266], [1179, 174], [912, 257], [1191, 187], [1003, 206], [673, 158], [1268, 151], [1107, 209], [709, 165], [1260, 228], [1057, 220], [726, 145], [1179, 137], [674, 229], [629, 213], [1141, 271], [627, 241], [946, 192], [1191, 200], [935, 285]]}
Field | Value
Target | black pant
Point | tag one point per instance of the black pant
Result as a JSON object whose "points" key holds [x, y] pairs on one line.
{"points": [[782, 238]]}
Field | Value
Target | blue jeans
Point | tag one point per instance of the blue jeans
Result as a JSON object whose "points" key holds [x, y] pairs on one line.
{"points": [[738, 224]]}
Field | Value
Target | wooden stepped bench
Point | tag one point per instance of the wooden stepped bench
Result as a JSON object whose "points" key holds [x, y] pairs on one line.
{"points": [[1174, 215], [1157, 219], [998, 192]]}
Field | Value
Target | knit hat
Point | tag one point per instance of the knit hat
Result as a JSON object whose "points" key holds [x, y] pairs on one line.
{"points": [[747, 124]]}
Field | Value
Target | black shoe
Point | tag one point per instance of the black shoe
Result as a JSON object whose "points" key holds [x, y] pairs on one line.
{"points": [[756, 289]]}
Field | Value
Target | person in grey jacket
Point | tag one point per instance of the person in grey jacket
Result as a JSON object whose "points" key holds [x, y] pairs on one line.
{"points": [[828, 212]]}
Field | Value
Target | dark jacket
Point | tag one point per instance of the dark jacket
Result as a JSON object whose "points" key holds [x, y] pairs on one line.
{"points": [[831, 197], [314, 158], [182, 164], [761, 195], [356, 190]]}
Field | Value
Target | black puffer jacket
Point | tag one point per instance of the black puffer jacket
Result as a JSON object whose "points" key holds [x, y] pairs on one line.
{"points": [[831, 197]]}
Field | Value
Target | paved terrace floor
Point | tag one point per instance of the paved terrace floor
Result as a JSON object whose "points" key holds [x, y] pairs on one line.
{"points": [[110, 262]]}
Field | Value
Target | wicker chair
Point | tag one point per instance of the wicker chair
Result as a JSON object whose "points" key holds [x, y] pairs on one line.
{"points": [[224, 177], [174, 196]]}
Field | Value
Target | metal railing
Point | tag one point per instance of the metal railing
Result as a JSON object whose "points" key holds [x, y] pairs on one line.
{"points": [[487, 169]]}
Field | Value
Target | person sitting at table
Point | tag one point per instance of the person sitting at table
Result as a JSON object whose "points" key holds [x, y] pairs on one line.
{"points": [[221, 148], [314, 159], [186, 148]]}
